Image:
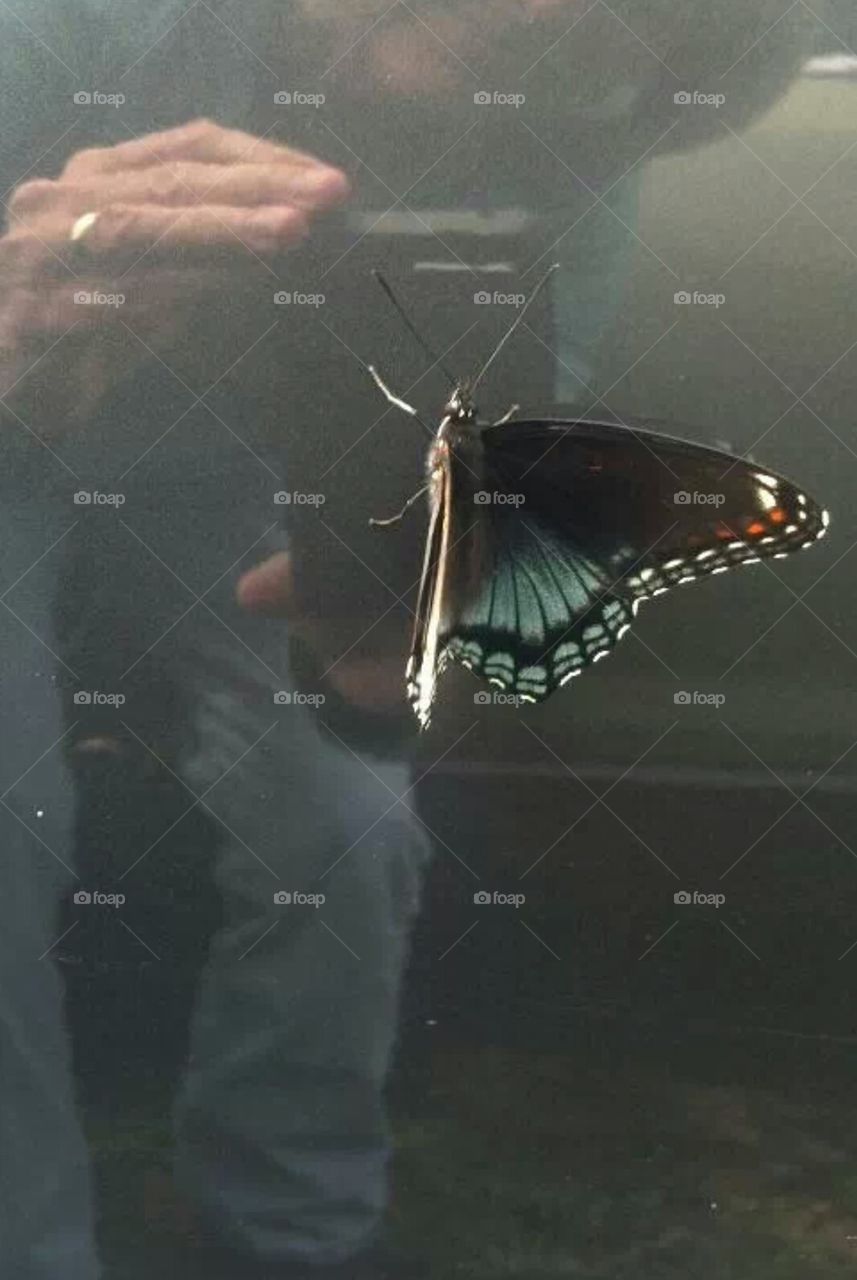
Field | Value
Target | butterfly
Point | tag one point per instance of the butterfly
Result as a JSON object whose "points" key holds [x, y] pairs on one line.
{"points": [[545, 536]]}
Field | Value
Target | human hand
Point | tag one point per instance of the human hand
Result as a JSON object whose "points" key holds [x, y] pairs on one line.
{"points": [[368, 674], [176, 212]]}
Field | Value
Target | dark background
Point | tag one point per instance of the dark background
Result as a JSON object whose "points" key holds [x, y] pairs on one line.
{"points": [[602, 1081]]}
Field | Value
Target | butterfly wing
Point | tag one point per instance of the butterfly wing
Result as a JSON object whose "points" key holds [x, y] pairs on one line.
{"points": [[587, 519]]}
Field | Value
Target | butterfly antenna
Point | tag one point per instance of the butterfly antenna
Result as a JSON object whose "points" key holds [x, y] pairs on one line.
{"points": [[512, 327], [412, 329]]}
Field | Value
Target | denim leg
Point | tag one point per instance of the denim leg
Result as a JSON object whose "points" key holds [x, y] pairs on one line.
{"points": [[281, 1122], [46, 1220], [46, 1214]]}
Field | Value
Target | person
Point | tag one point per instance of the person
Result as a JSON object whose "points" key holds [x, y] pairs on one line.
{"points": [[180, 596]]}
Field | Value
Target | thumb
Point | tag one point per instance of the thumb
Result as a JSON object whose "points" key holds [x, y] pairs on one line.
{"points": [[267, 587]]}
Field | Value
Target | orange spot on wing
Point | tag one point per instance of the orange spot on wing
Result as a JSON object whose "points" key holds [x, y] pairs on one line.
{"points": [[777, 516], [756, 529]]}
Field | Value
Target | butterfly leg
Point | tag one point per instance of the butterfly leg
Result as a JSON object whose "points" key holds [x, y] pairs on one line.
{"points": [[394, 399], [385, 524], [508, 415]]}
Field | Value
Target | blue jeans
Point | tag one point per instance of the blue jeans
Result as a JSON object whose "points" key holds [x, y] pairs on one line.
{"points": [[281, 1135]]}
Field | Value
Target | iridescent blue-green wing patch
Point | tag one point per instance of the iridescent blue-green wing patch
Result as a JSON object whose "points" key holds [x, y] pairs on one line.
{"points": [[545, 613]]}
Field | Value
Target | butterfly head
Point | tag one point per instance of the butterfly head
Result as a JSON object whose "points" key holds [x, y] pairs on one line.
{"points": [[460, 407]]}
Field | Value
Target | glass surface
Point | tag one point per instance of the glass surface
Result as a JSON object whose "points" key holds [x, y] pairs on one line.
{"points": [[289, 987]]}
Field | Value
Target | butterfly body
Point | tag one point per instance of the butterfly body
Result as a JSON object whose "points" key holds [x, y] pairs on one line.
{"points": [[457, 555]]}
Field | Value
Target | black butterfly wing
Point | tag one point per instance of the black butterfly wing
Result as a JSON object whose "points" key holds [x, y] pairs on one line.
{"points": [[603, 517]]}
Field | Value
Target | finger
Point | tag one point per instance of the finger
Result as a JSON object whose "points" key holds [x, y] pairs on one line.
{"points": [[267, 588], [200, 140], [185, 184], [76, 313], [34, 312], [156, 298], [182, 185], [143, 226]]}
